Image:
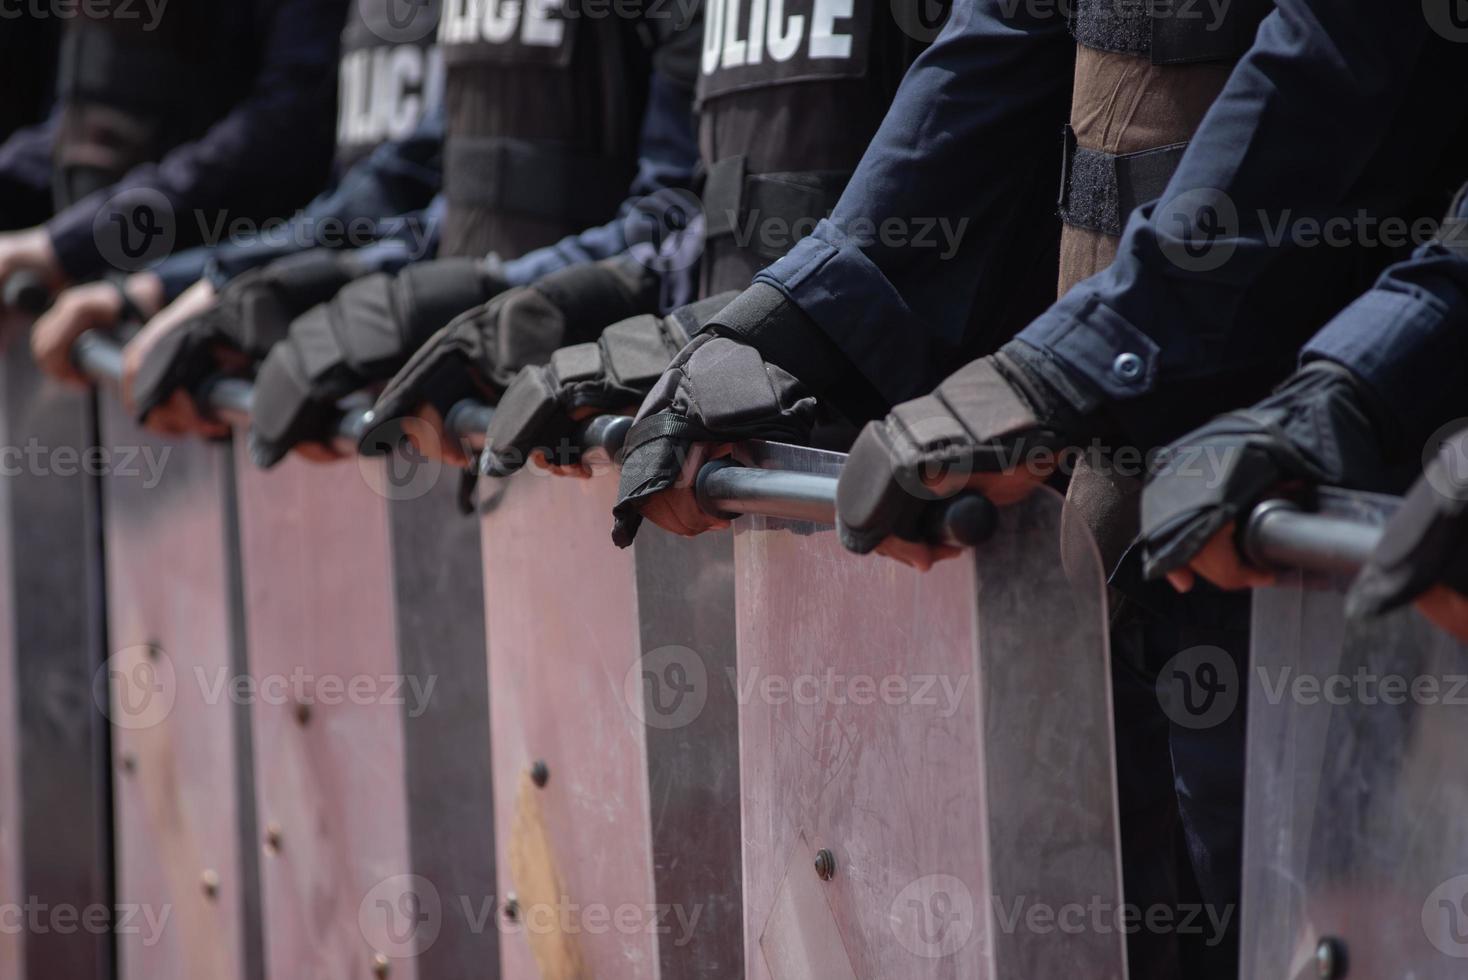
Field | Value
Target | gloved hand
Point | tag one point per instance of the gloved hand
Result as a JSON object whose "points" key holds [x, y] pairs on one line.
{"points": [[997, 425], [479, 354], [250, 314], [755, 372], [1424, 545], [541, 407], [1316, 428], [363, 335]]}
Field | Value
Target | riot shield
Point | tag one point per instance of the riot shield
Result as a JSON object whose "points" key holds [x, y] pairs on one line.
{"points": [[183, 807], [1354, 860], [54, 837], [372, 775], [615, 752], [926, 759]]}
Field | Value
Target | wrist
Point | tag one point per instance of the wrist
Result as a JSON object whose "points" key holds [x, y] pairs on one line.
{"points": [[145, 291]]}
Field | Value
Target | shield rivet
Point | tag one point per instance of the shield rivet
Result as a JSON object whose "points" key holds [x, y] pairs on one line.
{"points": [[540, 773], [825, 864], [1330, 959], [381, 965], [512, 907], [209, 880], [303, 712], [273, 838], [129, 762]]}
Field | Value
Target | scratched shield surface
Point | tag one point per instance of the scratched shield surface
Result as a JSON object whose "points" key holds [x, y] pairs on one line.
{"points": [[183, 816], [54, 836], [919, 752], [613, 796], [332, 816], [1356, 789]]}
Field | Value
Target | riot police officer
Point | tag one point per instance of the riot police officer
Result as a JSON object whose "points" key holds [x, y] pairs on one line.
{"points": [[208, 93]]}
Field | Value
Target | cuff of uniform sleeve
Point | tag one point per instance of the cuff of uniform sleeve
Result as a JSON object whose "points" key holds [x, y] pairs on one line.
{"points": [[75, 245], [1408, 350], [1099, 345], [847, 296]]}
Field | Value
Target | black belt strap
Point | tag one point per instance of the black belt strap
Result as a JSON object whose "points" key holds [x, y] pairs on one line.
{"points": [[1169, 32], [733, 197], [1100, 190], [102, 65], [542, 180]]}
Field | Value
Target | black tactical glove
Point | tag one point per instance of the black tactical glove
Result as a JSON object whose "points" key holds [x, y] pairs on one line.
{"points": [[1000, 412], [1317, 428], [613, 374], [250, 315], [478, 354], [363, 335], [1426, 541], [754, 373]]}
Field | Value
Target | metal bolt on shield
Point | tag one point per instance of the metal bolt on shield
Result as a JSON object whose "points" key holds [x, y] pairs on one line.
{"points": [[1330, 959], [825, 864], [539, 773]]}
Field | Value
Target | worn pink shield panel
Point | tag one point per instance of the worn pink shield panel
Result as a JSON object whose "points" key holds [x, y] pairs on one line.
{"points": [[329, 755], [575, 853], [859, 729], [175, 730], [921, 754]]}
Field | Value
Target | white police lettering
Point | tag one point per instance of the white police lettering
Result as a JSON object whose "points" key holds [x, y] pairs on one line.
{"points": [[537, 23], [385, 91], [745, 32]]}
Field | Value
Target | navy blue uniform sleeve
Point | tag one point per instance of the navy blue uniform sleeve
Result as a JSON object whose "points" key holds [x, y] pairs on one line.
{"points": [[964, 165], [1332, 109], [384, 196], [668, 157], [259, 151], [1407, 338], [25, 175]]}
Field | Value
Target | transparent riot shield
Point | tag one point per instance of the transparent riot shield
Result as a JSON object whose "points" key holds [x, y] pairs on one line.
{"points": [[1355, 863], [365, 639], [54, 835], [615, 750], [926, 759], [183, 806]]}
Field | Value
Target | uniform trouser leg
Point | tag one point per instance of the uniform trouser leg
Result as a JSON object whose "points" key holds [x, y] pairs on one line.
{"points": [[1204, 772]]}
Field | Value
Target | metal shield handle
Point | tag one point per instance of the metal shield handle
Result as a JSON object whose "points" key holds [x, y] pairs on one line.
{"points": [[726, 489], [1279, 534], [24, 291]]}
